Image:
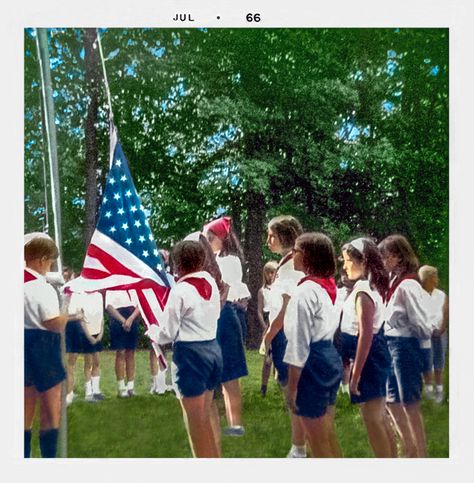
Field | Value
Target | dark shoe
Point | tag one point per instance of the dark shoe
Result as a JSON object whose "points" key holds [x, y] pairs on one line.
{"points": [[99, 396], [234, 431]]}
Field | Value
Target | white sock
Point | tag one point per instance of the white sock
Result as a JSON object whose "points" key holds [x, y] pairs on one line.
{"points": [[298, 449], [88, 388], [69, 397], [130, 385], [121, 385], [95, 384], [439, 388], [429, 387]]}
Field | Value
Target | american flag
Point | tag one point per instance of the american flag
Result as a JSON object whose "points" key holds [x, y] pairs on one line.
{"points": [[123, 254]]}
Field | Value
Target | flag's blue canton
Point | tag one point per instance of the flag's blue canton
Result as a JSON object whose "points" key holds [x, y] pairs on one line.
{"points": [[122, 215]]}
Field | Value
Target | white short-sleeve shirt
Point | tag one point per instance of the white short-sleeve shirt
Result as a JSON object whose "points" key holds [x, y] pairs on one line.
{"points": [[91, 304], [349, 322], [286, 280], [41, 301], [118, 299], [231, 272], [435, 303], [309, 317], [407, 314], [188, 316]]}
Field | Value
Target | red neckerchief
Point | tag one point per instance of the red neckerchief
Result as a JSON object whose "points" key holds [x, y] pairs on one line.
{"points": [[29, 277], [203, 287], [327, 284], [397, 282]]}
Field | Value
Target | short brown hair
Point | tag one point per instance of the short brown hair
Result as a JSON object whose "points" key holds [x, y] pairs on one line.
{"points": [[287, 228], [188, 256], [319, 257], [40, 247]]}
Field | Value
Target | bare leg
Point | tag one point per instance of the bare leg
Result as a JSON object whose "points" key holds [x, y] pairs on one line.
{"points": [[373, 413], [402, 425], [31, 395], [415, 418], [233, 402], [153, 363], [120, 365], [198, 421], [87, 367], [297, 430], [50, 408], [317, 436], [130, 364], [71, 367], [428, 377], [331, 428], [95, 364], [438, 375]]}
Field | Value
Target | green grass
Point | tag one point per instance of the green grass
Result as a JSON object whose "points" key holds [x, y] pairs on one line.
{"points": [[152, 427]]}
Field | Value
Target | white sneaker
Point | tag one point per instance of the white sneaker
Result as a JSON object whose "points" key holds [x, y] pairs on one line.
{"points": [[123, 393], [429, 394], [70, 398], [439, 397], [295, 453]]}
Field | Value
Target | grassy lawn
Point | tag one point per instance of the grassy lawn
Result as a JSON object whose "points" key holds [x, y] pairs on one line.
{"points": [[149, 426]]}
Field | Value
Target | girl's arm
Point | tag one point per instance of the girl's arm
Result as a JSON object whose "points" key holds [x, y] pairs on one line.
{"points": [[277, 324], [56, 324], [365, 310], [294, 374], [128, 323], [260, 309], [113, 312]]}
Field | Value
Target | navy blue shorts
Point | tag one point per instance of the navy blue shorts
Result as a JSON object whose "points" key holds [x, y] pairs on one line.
{"points": [[439, 347], [319, 381], [43, 362], [279, 343], [373, 379], [120, 339], [404, 381], [198, 366], [242, 315], [229, 337], [77, 341]]}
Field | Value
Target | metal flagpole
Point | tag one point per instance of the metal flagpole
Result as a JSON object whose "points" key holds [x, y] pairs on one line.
{"points": [[112, 130], [50, 127]]}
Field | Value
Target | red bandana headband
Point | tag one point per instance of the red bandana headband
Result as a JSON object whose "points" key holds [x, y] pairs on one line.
{"points": [[221, 227]]}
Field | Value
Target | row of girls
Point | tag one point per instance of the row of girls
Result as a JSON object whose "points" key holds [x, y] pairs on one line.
{"points": [[378, 333]]}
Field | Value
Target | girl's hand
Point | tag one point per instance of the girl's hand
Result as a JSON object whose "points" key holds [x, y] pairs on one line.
{"points": [[354, 386], [286, 298], [127, 324]]}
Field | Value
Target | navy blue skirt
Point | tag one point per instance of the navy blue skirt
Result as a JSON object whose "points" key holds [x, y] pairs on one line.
{"points": [[242, 315], [373, 379], [120, 339], [319, 381], [279, 344], [198, 366], [43, 362], [77, 341], [405, 382], [229, 337]]}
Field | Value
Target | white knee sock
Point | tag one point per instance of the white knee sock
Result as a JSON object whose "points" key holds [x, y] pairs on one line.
{"points": [[121, 385], [95, 384], [88, 388], [130, 385]]}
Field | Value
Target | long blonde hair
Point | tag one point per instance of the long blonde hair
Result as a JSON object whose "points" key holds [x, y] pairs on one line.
{"points": [[269, 267]]}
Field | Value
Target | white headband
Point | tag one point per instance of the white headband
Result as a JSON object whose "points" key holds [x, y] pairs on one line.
{"points": [[193, 236], [358, 244]]}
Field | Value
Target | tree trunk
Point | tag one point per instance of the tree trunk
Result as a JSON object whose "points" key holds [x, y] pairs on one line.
{"points": [[92, 83], [255, 204]]}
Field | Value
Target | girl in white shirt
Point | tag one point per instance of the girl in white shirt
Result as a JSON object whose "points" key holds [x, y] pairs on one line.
{"points": [[226, 246], [44, 370], [406, 324], [190, 324], [315, 367], [363, 342], [263, 308], [282, 233]]}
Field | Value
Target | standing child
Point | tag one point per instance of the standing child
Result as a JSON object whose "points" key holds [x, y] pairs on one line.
{"points": [[406, 324], [282, 233], [263, 307], [190, 324], [437, 302], [84, 332], [363, 342], [44, 369], [123, 338], [315, 368], [230, 333]]}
